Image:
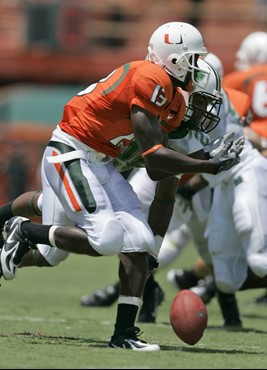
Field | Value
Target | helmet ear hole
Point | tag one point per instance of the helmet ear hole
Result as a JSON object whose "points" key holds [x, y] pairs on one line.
{"points": [[174, 60]]}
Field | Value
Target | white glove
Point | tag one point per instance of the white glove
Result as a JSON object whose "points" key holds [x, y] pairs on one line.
{"points": [[229, 155], [239, 145], [217, 146]]}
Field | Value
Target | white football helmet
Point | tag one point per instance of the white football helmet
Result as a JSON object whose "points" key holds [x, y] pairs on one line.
{"points": [[175, 46], [205, 100], [252, 51], [215, 62]]}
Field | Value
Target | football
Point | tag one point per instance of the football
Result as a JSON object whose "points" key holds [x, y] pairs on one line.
{"points": [[188, 316]]}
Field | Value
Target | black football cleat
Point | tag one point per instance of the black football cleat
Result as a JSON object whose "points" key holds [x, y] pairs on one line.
{"points": [[129, 340], [101, 298], [229, 309], [182, 279], [14, 248], [205, 289]]}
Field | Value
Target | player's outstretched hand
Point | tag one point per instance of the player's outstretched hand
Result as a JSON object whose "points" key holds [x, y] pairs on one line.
{"points": [[217, 146], [229, 155], [239, 144]]}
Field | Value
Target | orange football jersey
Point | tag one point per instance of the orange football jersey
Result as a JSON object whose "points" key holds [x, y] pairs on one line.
{"points": [[99, 116], [240, 100], [253, 82]]}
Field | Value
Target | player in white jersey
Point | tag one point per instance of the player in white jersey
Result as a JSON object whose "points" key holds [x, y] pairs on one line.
{"points": [[239, 258], [236, 231], [250, 76]]}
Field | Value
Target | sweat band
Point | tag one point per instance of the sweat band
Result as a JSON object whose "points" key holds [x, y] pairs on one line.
{"points": [[51, 236], [152, 150], [36, 211], [136, 301]]}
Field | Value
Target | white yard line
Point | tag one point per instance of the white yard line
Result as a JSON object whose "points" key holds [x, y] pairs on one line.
{"points": [[29, 318]]}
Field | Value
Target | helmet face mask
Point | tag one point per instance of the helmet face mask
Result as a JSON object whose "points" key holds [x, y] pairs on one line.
{"points": [[202, 112], [175, 46], [205, 101]]}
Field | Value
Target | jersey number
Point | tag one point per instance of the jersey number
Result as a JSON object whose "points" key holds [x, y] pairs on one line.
{"points": [[158, 96], [259, 103]]}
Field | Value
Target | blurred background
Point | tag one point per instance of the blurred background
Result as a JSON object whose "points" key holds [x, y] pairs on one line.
{"points": [[52, 49]]}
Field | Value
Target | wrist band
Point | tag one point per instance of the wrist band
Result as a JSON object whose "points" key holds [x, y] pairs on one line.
{"points": [[33, 209], [152, 150], [186, 191]]}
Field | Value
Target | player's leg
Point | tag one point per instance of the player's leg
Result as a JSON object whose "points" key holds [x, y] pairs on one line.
{"points": [[250, 214], [153, 296], [250, 218], [25, 205], [228, 258], [202, 269], [229, 309], [193, 214], [108, 214], [145, 189], [161, 208], [86, 205], [45, 255], [138, 242], [184, 278], [200, 278]]}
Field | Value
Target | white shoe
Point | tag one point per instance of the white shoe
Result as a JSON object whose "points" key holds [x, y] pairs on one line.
{"points": [[14, 248], [129, 340]]}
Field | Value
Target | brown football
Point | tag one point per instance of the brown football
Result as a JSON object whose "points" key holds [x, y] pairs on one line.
{"points": [[188, 316]]}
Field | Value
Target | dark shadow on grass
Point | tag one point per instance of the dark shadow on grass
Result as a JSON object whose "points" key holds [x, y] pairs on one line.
{"points": [[223, 351], [232, 329], [237, 330], [39, 338], [254, 316], [164, 323], [207, 350]]}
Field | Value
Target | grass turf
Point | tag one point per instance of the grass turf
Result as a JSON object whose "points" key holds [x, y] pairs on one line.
{"points": [[43, 326]]}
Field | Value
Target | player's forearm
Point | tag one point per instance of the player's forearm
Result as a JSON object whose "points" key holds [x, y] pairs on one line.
{"points": [[172, 163], [161, 209], [200, 154], [159, 216]]}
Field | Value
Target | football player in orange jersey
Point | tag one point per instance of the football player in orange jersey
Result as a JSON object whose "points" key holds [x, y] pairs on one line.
{"points": [[81, 187], [251, 77]]}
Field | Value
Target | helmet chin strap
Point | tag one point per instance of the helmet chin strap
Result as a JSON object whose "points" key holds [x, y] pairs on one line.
{"points": [[185, 85]]}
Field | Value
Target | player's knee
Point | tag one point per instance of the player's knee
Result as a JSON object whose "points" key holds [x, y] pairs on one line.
{"points": [[53, 256], [111, 239], [226, 287], [258, 264]]}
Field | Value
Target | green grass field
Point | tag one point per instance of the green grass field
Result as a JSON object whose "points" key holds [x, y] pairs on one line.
{"points": [[42, 324]]}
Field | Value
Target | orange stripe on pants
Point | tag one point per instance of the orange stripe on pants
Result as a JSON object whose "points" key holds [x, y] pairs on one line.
{"points": [[66, 184]]}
